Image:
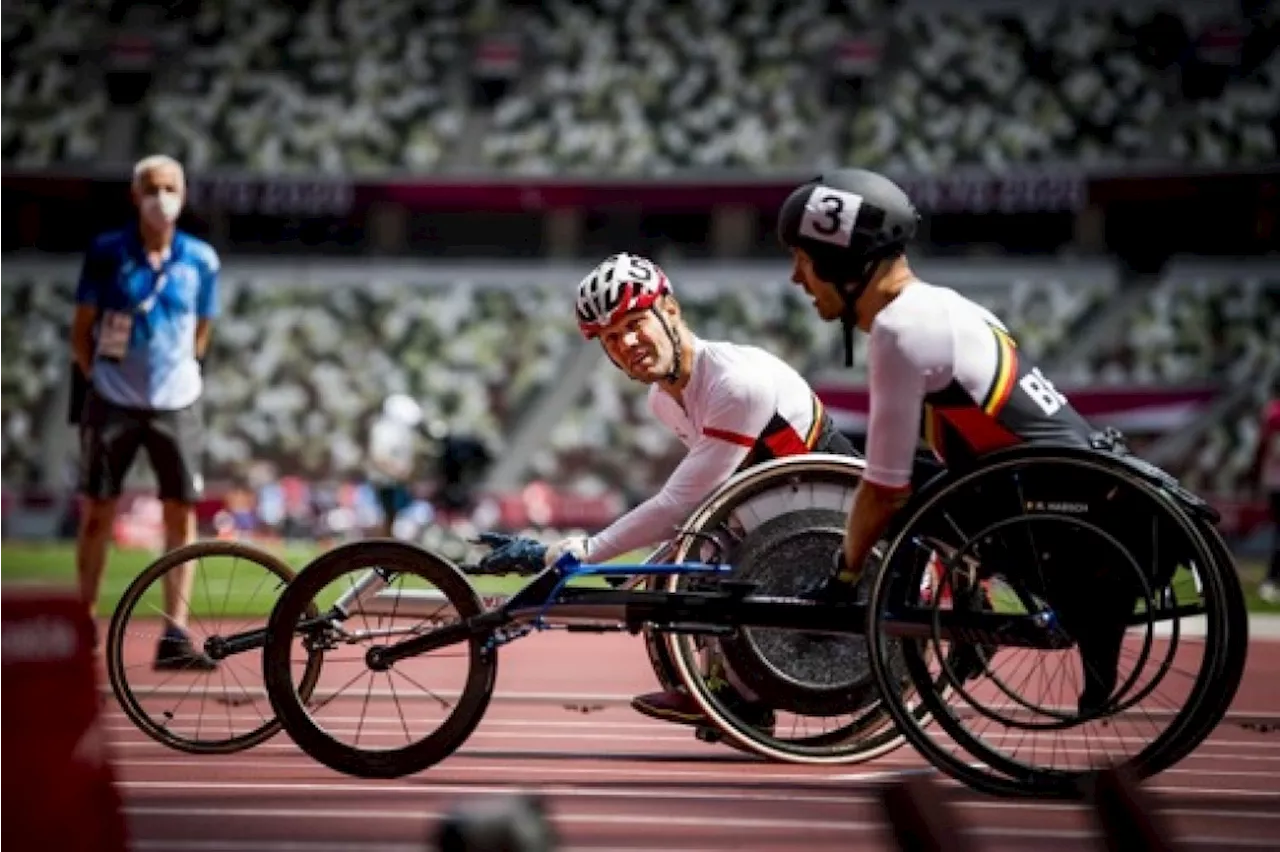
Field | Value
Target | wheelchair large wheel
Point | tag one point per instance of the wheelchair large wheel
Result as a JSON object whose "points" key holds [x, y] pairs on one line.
{"points": [[785, 695], [173, 700], [1080, 618], [368, 719], [1234, 656]]}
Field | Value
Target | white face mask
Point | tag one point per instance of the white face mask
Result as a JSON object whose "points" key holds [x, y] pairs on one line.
{"points": [[163, 207]]}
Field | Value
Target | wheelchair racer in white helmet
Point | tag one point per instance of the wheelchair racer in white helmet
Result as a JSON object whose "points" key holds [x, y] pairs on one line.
{"points": [[732, 406]]}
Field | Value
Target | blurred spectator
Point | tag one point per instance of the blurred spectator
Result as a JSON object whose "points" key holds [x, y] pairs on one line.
{"points": [[463, 461], [392, 457]]}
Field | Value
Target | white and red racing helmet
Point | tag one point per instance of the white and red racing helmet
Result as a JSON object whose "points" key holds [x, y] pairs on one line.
{"points": [[620, 284]]}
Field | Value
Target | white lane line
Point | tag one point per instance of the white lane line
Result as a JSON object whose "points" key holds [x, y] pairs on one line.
{"points": [[211, 787], [647, 821], [605, 771]]}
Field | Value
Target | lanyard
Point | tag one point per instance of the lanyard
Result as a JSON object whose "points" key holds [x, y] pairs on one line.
{"points": [[144, 307]]}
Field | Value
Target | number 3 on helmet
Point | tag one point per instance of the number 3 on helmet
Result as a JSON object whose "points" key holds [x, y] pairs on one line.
{"points": [[620, 284]]}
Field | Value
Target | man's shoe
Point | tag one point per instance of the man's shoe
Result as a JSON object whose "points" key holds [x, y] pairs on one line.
{"points": [[678, 706], [178, 654]]}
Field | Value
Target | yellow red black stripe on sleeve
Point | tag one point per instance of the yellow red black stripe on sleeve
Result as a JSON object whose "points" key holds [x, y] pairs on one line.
{"points": [[1006, 374]]}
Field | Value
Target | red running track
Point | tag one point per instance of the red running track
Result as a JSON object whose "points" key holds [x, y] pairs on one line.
{"points": [[615, 780]]}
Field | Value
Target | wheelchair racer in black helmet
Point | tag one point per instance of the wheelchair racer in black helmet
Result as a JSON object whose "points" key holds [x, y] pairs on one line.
{"points": [[940, 367]]}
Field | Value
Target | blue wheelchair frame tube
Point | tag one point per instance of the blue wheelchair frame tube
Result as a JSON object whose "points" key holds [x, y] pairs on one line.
{"points": [[538, 602]]}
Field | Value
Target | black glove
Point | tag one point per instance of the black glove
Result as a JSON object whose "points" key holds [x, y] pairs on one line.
{"points": [[511, 553]]}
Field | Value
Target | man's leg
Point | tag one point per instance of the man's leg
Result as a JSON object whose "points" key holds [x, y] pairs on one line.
{"points": [[179, 530], [109, 440], [387, 503], [677, 705], [174, 441], [92, 540]]}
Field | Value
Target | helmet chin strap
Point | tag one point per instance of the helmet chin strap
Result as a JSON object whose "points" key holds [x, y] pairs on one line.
{"points": [[849, 315], [851, 291], [677, 351]]}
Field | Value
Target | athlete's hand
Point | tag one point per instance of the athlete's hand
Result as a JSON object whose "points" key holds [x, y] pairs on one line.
{"points": [[577, 545], [511, 553]]}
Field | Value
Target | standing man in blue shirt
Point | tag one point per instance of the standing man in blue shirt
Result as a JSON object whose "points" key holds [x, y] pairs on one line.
{"points": [[145, 303]]}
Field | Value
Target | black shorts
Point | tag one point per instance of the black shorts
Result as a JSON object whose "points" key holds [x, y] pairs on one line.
{"points": [[393, 499], [111, 434]]}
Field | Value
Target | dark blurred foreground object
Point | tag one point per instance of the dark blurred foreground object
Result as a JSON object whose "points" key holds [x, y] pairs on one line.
{"points": [[921, 819], [58, 784], [1126, 815], [499, 824]]}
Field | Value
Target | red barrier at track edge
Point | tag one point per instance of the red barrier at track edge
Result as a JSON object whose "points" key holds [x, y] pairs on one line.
{"points": [[58, 783]]}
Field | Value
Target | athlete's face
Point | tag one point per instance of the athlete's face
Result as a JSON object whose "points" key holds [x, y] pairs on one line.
{"points": [[639, 344], [827, 300]]}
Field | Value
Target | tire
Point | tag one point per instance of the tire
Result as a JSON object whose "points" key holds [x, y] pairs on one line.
{"points": [[869, 733], [117, 670], [1230, 670], [400, 558], [1190, 725]]}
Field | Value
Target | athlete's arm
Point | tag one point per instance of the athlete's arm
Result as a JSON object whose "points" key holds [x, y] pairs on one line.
{"points": [[740, 408], [897, 390]]}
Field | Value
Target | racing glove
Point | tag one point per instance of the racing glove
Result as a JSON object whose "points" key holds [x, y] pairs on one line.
{"points": [[511, 554]]}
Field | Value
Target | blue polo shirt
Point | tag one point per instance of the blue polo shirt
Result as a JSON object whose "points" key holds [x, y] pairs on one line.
{"points": [[159, 370]]}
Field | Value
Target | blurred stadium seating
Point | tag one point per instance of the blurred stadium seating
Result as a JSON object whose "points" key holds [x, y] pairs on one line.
{"points": [[340, 88], [54, 100], [301, 360], [649, 87], [384, 90], [1056, 83]]}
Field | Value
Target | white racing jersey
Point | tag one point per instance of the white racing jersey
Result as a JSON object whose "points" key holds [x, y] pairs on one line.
{"points": [[741, 406], [944, 368]]}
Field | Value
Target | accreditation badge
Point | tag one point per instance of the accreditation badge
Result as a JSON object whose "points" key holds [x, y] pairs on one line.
{"points": [[113, 335]]}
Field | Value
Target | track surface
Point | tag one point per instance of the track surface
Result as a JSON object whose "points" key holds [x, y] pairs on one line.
{"points": [[615, 780]]}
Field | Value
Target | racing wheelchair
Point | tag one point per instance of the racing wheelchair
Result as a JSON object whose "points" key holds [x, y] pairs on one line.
{"points": [[803, 499], [1076, 596]]}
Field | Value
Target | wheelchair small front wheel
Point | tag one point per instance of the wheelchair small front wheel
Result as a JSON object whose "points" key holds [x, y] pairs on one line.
{"points": [[168, 690], [367, 718]]}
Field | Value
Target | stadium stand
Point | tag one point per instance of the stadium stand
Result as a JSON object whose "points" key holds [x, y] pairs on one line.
{"points": [[1056, 83], [54, 100], [342, 88], [300, 361], [643, 86], [1206, 323], [651, 86]]}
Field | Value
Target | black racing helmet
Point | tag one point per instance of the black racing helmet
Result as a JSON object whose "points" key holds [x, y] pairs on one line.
{"points": [[848, 221]]}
